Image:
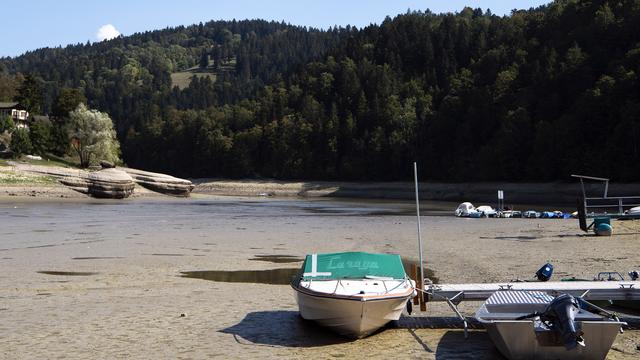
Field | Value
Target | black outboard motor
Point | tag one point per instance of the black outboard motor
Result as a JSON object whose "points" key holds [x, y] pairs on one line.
{"points": [[545, 272], [634, 275], [560, 315]]}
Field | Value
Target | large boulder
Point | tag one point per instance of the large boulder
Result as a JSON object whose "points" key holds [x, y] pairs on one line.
{"points": [[110, 183], [162, 183]]}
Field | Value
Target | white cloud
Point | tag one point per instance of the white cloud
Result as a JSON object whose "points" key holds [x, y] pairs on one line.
{"points": [[107, 32]]}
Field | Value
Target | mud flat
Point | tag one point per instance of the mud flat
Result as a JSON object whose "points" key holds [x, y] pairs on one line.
{"points": [[107, 279]]}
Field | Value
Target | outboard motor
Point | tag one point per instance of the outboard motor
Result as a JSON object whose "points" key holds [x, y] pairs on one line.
{"points": [[634, 275], [560, 315], [545, 272]]}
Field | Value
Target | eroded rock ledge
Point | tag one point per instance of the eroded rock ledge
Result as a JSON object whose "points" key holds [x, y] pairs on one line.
{"points": [[110, 182], [162, 183]]}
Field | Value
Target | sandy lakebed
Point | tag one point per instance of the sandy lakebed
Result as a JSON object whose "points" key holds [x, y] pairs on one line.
{"points": [[101, 279]]}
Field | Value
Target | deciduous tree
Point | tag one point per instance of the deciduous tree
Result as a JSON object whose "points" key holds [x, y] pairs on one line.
{"points": [[92, 136], [20, 142]]}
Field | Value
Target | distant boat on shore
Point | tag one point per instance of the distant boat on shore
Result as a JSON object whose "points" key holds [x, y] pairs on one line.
{"points": [[634, 211], [466, 209], [352, 293]]}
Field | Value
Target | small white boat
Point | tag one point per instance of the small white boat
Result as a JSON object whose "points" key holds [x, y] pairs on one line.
{"points": [[531, 214], [352, 293], [536, 325], [465, 209], [487, 211], [634, 211]]}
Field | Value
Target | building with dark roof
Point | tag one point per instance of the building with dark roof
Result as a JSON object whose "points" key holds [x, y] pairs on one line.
{"points": [[18, 113]]}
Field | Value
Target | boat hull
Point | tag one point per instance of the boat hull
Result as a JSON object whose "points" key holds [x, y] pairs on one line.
{"points": [[354, 317], [518, 339]]}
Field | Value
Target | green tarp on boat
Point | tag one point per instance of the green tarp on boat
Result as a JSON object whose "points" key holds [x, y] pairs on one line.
{"points": [[352, 265]]}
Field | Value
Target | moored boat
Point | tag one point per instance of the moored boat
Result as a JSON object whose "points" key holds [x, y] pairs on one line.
{"points": [[536, 325], [633, 211], [352, 293], [466, 209], [487, 211]]}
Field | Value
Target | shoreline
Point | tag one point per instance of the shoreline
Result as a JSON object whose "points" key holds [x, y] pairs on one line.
{"points": [[560, 194], [16, 182], [555, 193]]}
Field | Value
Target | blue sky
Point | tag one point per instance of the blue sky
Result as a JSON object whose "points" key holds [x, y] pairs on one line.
{"points": [[33, 24]]}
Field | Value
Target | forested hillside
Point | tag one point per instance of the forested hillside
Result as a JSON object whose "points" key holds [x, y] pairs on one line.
{"points": [[533, 96]]}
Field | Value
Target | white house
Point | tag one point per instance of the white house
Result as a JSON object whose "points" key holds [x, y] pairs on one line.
{"points": [[18, 113]]}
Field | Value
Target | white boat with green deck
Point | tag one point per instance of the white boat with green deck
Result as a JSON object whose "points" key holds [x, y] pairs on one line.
{"points": [[352, 293]]}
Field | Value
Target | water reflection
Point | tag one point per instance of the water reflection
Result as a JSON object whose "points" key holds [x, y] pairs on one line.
{"points": [[278, 259], [280, 276]]}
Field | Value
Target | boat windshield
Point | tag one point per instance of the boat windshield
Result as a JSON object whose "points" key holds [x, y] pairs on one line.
{"points": [[352, 265]]}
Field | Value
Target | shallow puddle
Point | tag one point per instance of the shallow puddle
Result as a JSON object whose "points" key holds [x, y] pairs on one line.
{"points": [[96, 257], [272, 277], [68, 273], [278, 259], [41, 246], [281, 276]]}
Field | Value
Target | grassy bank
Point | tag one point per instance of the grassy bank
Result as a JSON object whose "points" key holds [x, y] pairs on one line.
{"points": [[8, 177]]}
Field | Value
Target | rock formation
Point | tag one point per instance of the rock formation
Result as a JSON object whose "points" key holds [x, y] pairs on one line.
{"points": [[106, 183], [111, 182], [161, 183]]}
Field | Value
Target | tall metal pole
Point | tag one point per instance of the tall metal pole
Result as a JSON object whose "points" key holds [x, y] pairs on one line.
{"points": [[415, 176]]}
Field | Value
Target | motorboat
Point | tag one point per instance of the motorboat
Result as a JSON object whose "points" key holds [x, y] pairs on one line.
{"points": [[633, 211], [487, 211], [466, 209], [537, 325], [532, 214], [352, 293], [509, 214], [505, 214]]}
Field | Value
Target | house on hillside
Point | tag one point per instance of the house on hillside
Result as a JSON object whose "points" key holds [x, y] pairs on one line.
{"points": [[18, 113]]}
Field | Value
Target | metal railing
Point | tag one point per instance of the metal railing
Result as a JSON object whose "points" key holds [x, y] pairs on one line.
{"points": [[618, 203]]}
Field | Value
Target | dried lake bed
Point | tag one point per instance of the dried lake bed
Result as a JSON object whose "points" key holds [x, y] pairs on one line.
{"points": [[133, 278]]}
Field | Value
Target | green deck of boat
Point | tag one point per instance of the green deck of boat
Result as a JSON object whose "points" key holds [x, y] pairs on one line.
{"points": [[353, 265]]}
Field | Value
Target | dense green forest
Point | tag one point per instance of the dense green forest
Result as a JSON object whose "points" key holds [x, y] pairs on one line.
{"points": [[534, 96]]}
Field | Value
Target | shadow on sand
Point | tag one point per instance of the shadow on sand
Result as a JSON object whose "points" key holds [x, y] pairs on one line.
{"points": [[288, 329], [281, 328], [453, 345]]}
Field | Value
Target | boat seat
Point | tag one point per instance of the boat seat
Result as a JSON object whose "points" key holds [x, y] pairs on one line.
{"points": [[510, 301]]}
